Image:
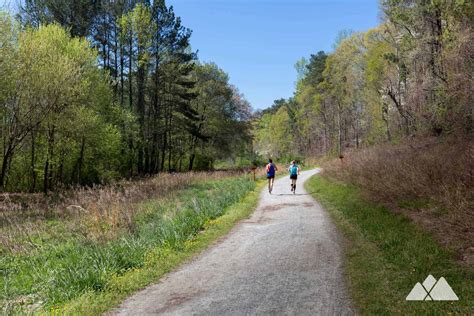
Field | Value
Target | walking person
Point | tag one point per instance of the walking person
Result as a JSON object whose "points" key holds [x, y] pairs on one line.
{"points": [[294, 172], [271, 170]]}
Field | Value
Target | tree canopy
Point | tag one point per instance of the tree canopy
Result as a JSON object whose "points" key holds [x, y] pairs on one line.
{"points": [[94, 91]]}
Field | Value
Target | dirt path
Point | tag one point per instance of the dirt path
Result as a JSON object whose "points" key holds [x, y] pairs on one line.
{"points": [[285, 259]]}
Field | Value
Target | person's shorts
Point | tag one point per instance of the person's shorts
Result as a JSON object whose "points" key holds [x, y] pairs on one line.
{"points": [[271, 176], [293, 177]]}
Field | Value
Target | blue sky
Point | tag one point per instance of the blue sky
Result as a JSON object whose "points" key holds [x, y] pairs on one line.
{"points": [[257, 42]]}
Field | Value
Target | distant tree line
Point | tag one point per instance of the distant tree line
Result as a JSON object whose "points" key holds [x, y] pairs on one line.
{"points": [[96, 90], [411, 75]]}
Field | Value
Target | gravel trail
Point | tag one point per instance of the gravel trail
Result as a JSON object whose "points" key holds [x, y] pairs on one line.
{"points": [[285, 259]]}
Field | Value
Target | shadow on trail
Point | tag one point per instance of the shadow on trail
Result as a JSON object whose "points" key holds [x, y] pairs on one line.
{"points": [[282, 194]]}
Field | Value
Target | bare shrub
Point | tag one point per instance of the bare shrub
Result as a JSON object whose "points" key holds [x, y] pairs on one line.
{"points": [[459, 67], [429, 179]]}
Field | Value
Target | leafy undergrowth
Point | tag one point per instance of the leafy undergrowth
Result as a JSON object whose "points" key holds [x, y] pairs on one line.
{"points": [[72, 273], [387, 254]]}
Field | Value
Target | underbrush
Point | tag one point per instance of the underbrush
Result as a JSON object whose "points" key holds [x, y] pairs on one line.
{"points": [[430, 180], [387, 254], [100, 212], [63, 262]]}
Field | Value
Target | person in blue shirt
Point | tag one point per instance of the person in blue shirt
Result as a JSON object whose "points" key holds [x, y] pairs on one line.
{"points": [[294, 172], [271, 170]]}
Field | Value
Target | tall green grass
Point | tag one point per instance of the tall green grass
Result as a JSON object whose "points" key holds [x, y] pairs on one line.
{"points": [[387, 255], [62, 270]]}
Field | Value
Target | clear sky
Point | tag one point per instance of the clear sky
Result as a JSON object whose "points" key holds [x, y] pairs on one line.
{"points": [[257, 42]]}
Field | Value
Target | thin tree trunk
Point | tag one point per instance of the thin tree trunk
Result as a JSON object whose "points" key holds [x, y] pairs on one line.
{"points": [[33, 158], [163, 151], [339, 127], [80, 161], [385, 119], [357, 133], [122, 81], [47, 168], [130, 60], [191, 161], [169, 151], [141, 118], [5, 164]]}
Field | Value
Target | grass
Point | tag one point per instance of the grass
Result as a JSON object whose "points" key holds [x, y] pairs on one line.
{"points": [[73, 274], [387, 254]]}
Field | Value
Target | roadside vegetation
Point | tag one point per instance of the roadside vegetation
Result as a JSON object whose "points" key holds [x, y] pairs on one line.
{"points": [[428, 180], [387, 254], [110, 247]]}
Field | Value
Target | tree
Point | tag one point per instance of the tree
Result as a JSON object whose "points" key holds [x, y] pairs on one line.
{"points": [[54, 76], [77, 16], [223, 127]]}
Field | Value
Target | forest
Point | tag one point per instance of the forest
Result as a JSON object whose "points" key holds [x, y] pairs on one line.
{"points": [[410, 76], [93, 91], [96, 91]]}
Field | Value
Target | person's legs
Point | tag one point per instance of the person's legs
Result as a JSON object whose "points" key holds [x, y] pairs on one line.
{"points": [[270, 184], [294, 185]]}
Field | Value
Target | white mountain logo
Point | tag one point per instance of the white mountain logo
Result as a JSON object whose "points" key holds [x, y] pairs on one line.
{"points": [[432, 290]]}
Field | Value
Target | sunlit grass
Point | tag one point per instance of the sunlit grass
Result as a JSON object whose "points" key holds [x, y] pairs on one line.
{"points": [[387, 255]]}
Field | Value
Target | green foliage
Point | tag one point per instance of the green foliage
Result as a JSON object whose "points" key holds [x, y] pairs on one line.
{"points": [[52, 110], [77, 16], [128, 101], [222, 131], [276, 134], [315, 69]]}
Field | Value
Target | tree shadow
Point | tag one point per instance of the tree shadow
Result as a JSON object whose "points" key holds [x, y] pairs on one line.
{"points": [[283, 194]]}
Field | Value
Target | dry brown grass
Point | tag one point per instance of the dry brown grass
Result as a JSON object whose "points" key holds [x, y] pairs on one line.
{"points": [[100, 213], [430, 180]]}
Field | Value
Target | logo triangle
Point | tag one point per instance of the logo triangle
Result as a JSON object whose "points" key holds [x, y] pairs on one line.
{"points": [[443, 292], [418, 293], [429, 282]]}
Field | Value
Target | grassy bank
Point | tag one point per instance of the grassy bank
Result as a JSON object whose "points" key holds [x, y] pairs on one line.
{"points": [[72, 273], [387, 254], [428, 179]]}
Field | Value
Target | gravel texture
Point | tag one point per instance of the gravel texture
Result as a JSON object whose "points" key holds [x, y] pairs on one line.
{"points": [[285, 259]]}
